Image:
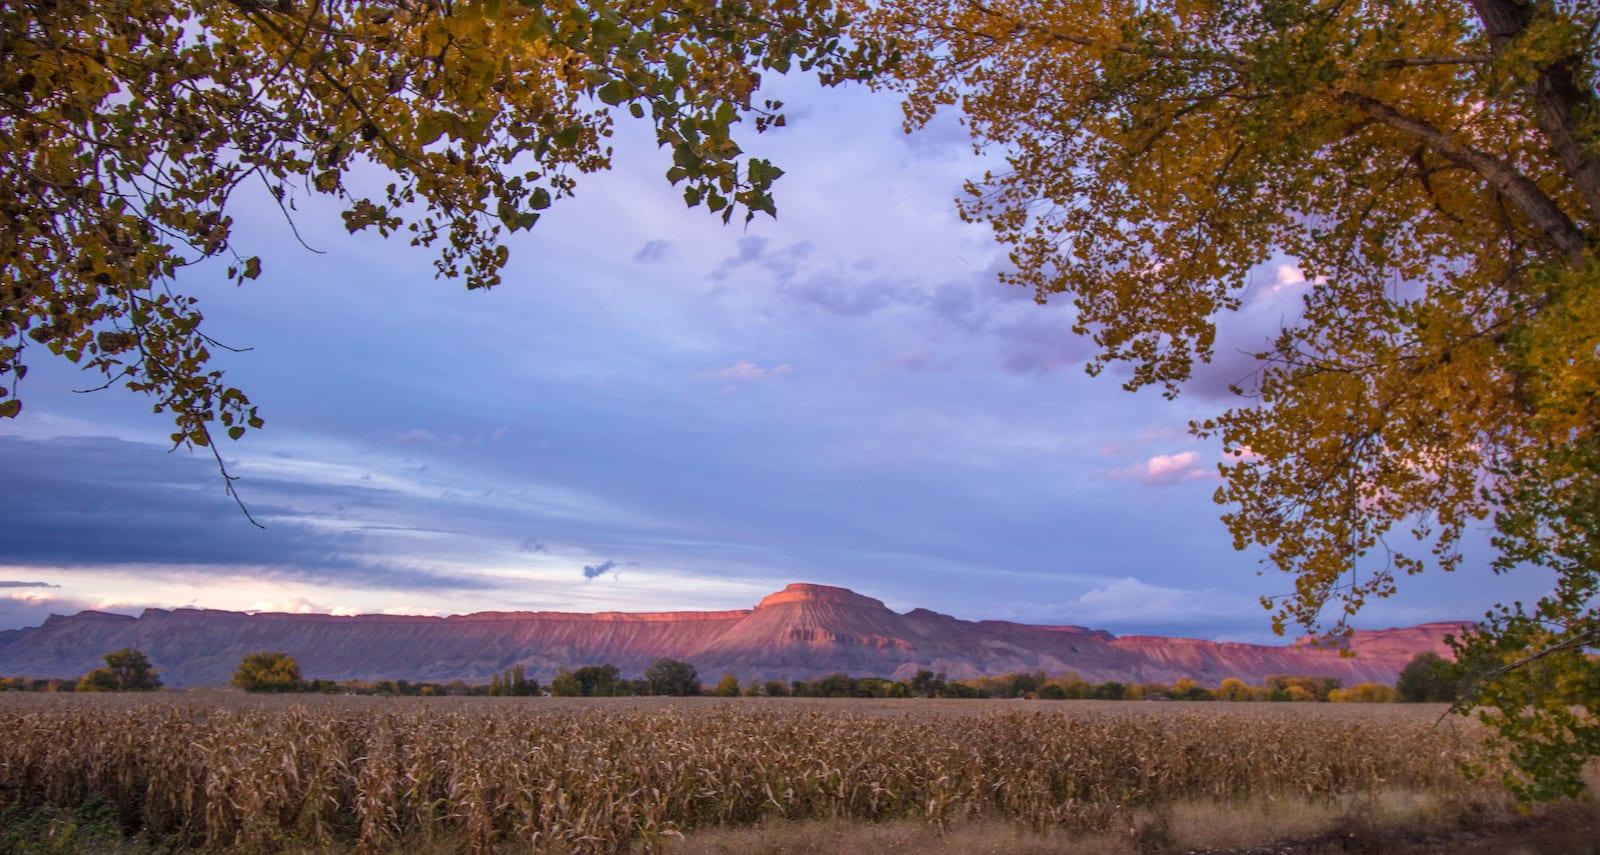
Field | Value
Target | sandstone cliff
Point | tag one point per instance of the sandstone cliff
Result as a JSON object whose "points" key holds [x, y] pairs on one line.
{"points": [[803, 631]]}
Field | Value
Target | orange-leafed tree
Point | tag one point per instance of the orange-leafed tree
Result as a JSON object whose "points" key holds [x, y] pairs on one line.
{"points": [[1433, 168]]}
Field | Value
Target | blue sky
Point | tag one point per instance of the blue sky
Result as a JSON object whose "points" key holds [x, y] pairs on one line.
{"points": [[656, 411]]}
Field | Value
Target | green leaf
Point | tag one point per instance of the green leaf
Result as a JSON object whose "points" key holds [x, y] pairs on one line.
{"points": [[540, 199], [568, 136], [429, 129]]}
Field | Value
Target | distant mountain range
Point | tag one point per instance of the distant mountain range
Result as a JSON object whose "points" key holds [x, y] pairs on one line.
{"points": [[803, 631]]}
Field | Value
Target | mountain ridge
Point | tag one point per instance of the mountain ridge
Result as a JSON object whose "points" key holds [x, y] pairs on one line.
{"points": [[803, 631]]}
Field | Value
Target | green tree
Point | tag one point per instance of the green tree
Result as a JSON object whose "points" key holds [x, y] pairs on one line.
{"points": [[268, 672], [1110, 690], [1427, 678], [126, 670], [775, 689], [727, 687], [566, 685], [671, 677], [927, 684], [132, 124], [598, 681], [1433, 168]]}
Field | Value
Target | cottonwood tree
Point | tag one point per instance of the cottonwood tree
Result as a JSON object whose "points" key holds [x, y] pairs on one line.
{"points": [[672, 677], [129, 128], [126, 670], [1434, 167], [268, 671]]}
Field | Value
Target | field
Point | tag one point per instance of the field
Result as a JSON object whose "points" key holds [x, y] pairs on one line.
{"points": [[226, 771]]}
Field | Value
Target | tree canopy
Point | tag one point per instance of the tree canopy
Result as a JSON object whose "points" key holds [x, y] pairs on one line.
{"points": [[1433, 166], [128, 127], [672, 677], [1428, 678], [126, 670], [268, 672]]}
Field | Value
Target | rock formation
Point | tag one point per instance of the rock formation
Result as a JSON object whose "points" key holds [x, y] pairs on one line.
{"points": [[803, 631]]}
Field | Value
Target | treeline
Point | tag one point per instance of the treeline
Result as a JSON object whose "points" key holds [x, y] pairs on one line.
{"points": [[1427, 678]]}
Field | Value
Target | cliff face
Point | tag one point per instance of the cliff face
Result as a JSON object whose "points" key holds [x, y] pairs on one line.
{"points": [[803, 631]]}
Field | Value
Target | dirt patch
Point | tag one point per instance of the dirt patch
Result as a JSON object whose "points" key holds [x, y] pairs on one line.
{"points": [[1568, 830]]}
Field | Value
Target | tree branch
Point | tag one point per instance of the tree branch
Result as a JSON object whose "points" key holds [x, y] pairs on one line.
{"points": [[1557, 98], [1425, 61], [1519, 189], [1575, 643]]}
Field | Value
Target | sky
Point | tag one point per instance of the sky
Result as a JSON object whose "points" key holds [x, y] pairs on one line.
{"points": [[656, 411]]}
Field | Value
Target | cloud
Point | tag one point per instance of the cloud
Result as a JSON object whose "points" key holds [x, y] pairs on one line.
{"points": [[655, 251], [849, 299], [1273, 301], [415, 436], [31, 609], [1041, 345], [783, 263], [918, 359], [1131, 602], [595, 571], [531, 545], [1164, 470], [11, 583], [95, 501], [743, 370]]}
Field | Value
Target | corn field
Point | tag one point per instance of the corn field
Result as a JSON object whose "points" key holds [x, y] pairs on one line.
{"points": [[480, 774]]}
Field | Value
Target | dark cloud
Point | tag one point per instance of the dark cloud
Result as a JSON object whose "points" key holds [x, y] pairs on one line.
{"points": [[532, 545], [850, 299], [971, 302], [12, 583], [1041, 344], [595, 571], [18, 613], [101, 501], [654, 251], [783, 263]]}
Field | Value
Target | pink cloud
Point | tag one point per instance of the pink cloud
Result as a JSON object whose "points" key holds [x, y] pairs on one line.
{"points": [[1164, 470], [743, 370], [914, 360]]}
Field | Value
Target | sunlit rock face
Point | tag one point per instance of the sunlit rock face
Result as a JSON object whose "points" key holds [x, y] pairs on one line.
{"points": [[801, 632]]}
